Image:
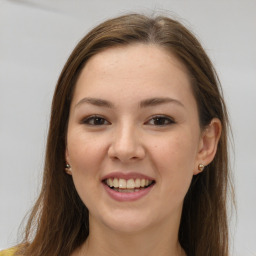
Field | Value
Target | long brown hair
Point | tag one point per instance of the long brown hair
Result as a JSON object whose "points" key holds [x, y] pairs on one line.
{"points": [[58, 223]]}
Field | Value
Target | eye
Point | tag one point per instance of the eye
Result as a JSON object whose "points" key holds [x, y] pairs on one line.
{"points": [[160, 121], [95, 120]]}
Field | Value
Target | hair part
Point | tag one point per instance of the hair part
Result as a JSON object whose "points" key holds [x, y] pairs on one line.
{"points": [[59, 220]]}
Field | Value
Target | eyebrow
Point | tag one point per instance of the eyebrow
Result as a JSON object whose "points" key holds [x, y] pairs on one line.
{"points": [[96, 102], [158, 101], [145, 103]]}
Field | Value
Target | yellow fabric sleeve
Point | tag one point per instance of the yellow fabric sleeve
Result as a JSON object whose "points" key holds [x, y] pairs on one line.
{"points": [[8, 252]]}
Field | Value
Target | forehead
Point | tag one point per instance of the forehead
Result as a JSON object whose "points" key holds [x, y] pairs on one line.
{"points": [[138, 70], [137, 58]]}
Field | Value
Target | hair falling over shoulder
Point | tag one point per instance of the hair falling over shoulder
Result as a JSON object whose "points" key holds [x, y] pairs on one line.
{"points": [[58, 223]]}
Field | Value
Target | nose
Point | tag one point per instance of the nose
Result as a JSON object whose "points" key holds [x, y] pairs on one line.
{"points": [[126, 145]]}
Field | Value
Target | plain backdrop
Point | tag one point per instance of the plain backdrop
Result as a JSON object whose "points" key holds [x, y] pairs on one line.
{"points": [[37, 36]]}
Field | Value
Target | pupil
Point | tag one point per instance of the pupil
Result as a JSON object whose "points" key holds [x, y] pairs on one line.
{"points": [[99, 120], [160, 121]]}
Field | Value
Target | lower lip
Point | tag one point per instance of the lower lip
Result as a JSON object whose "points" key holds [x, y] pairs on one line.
{"points": [[124, 197]]}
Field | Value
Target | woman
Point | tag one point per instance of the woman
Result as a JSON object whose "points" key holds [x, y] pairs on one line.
{"points": [[136, 160]]}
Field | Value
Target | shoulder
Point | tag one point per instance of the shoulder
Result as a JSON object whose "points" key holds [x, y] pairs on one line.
{"points": [[8, 252]]}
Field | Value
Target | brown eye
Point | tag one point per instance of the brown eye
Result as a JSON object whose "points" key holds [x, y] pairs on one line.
{"points": [[95, 120], [160, 121]]}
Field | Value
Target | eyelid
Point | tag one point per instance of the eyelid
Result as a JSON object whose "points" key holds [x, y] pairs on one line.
{"points": [[95, 116], [170, 120], [153, 118]]}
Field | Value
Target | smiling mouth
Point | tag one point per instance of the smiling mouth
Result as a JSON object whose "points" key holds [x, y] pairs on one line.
{"points": [[128, 186]]}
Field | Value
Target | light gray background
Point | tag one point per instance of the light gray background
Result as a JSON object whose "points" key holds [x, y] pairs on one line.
{"points": [[36, 37]]}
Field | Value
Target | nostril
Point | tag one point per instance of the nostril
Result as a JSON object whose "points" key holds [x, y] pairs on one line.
{"points": [[126, 153]]}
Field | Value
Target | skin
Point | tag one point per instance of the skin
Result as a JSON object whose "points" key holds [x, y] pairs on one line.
{"points": [[129, 138]]}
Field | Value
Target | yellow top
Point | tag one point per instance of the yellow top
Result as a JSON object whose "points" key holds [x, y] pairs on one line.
{"points": [[8, 252]]}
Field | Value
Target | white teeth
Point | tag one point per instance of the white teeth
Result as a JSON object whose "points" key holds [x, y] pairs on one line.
{"points": [[128, 184], [137, 183], [115, 183], [122, 183], [110, 182]]}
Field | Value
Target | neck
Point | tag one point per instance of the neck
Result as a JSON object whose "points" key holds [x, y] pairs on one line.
{"points": [[158, 240]]}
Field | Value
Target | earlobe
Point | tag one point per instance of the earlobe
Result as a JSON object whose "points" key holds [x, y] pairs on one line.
{"points": [[68, 169], [208, 144]]}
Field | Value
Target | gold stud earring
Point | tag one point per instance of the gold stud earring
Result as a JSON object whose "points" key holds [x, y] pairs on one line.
{"points": [[200, 167], [68, 169]]}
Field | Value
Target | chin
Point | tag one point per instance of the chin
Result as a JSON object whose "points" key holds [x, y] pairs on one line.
{"points": [[128, 227], [128, 222]]}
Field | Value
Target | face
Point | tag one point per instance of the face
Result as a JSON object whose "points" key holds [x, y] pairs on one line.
{"points": [[133, 137]]}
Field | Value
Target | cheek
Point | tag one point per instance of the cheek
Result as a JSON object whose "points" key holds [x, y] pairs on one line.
{"points": [[178, 151], [86, 156], [174, 160], [84, 152]]}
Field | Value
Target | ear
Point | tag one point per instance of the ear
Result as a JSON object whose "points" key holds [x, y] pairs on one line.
{"points": [[208, 144], [67, 154], [68, 167]]}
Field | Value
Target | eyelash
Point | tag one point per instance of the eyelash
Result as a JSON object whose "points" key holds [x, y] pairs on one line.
{"points": [[164, 120], [95, 118]]}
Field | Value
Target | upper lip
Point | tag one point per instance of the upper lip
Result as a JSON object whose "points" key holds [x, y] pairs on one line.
{"points": [[126, 176]]}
